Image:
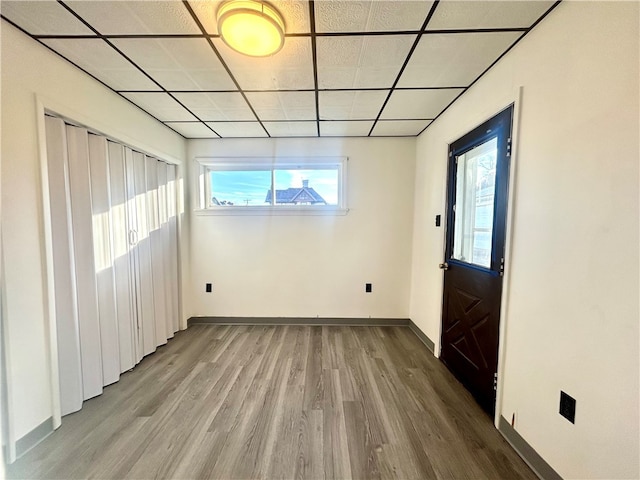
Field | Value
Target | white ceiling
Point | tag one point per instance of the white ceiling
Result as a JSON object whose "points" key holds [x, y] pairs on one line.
{"points": [[348, 68]]}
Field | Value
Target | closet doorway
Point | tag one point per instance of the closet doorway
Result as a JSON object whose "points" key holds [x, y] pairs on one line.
{"points": [[115, 257]]}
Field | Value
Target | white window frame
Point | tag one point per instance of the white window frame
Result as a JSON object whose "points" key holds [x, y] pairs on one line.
{"points": [[205, 165]]}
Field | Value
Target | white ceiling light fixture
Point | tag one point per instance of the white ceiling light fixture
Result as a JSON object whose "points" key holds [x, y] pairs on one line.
{"points": [[251, 27]]}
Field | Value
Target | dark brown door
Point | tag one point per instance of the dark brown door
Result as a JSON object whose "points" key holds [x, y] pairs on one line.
{"points": [[474, 257]]}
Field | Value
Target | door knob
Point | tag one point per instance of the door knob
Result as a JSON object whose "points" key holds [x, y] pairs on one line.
{"points": [[444, 266]]}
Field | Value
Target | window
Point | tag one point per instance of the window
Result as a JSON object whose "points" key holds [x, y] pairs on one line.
{"points": [[291, 186]]}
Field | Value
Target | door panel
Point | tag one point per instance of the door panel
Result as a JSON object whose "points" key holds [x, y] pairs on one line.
{"points": [[156, 245], [144, 284], [474, 256], [101, 204], [132, 238], [172, 213], [127, 323], [68, 335], [85, 273]]}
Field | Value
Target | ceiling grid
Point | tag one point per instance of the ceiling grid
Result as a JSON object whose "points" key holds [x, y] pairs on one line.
{"points": [[348, 67]]}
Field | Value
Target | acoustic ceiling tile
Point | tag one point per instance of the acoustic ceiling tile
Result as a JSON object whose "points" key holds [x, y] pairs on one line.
{"points": [[295, 14], [238, 129], [361, 61], [126, 18], [394, 128], [451, 15], [161, 106], [192, 129], [351, 105], [371, 16], [102, 61], [217, 106], [418, 104], [43, 18], [283, 105], [291, 129], [289, 69], [359, 128], [454, 59], [178, 63]]}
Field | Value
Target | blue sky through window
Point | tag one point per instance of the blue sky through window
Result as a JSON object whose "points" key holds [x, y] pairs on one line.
{"points": [[250, 187]]}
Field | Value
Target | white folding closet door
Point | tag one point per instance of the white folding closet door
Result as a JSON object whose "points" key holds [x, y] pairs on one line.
{"points": [[132, 235], [82, 228], [67, 330], [125, 294], [166, 247], [157, 261], [142, 256], [172, 213], [105, 282]]}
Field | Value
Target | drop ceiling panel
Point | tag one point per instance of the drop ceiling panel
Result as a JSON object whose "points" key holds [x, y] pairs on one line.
{"points": [[358, 128], [102, 61], [178, 63], [192, 129], [217, 106], [238, 129], [283, 105], [290, 69], [294, 13], [454, 59], [43, 18], [361, 61], [361, 46], [418, 104], [394, 128], [351, 105], [456, 14], [161, 106], [139, 17], [372, 16], [291, 129]]}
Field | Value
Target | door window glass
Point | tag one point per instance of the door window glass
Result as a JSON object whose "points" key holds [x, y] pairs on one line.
{"points": [[475, 194]]}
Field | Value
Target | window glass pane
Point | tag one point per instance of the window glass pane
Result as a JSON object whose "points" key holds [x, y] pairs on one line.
{"points": [[306, 187], [240, 187], [475, 193]]}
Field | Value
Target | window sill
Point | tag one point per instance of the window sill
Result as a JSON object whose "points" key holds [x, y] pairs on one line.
{"points": [[273, 211]]}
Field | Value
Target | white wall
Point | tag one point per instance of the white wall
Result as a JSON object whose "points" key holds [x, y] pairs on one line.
{"points": [[572, 316], [31, 73], [307, 266]]}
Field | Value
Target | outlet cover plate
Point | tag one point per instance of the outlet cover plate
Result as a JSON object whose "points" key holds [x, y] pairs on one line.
{"points": [[568, 407]]}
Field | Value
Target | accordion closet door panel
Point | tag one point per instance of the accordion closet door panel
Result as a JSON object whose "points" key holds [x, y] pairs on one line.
{"points": [[85, 273], [125, 293], [155, 242], [144, 271], [103, 258], [67, 330]]}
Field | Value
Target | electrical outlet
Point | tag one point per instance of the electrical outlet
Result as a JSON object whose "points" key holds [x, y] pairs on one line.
{"points": [[367, 287], [568, 407], [208, 288]]}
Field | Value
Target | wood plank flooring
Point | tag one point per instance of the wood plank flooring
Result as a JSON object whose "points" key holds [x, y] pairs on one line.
{"points": [[280, 402]]}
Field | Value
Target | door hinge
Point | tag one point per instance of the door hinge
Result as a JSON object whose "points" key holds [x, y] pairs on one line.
{"points": [[495, 381], [508, 147], [502, 267]]}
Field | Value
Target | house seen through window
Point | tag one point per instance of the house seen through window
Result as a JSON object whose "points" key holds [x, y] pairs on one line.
{"points": [[318, 186]]}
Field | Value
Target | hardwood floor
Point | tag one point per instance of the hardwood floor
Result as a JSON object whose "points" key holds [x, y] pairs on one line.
{"points": [[280, 402]]}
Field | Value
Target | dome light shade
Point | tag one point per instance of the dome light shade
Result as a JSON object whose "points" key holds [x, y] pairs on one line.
{"points": [[251, 27]]}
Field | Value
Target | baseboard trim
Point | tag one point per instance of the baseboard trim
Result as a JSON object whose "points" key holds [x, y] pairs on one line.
{"points": [[344, 322], [421, 335], [34, 437], [526, 451]]}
